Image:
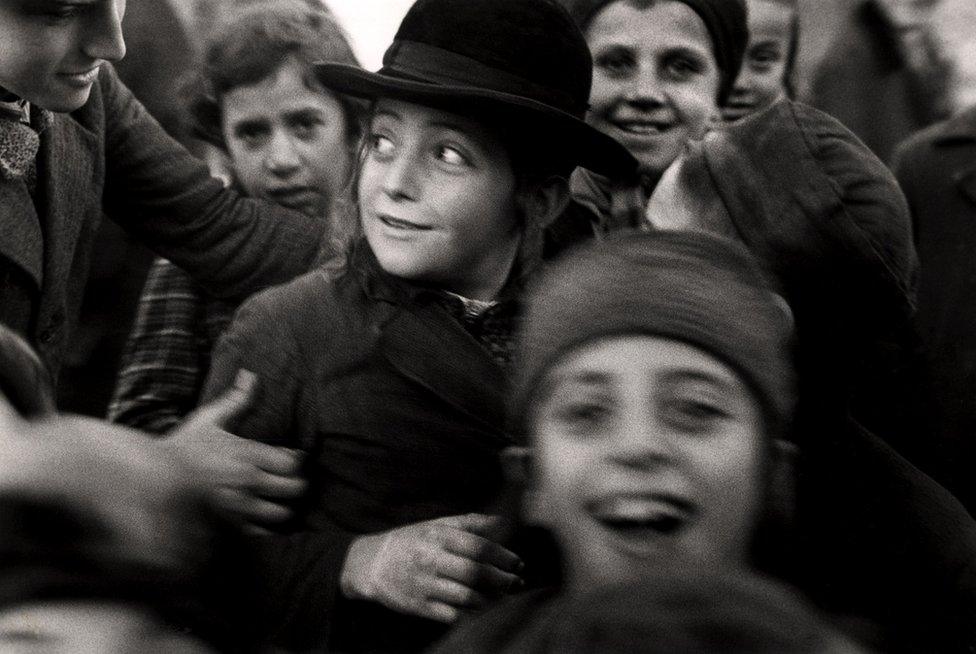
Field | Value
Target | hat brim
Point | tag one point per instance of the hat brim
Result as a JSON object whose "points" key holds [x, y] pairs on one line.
{"points": [[589, 147]]}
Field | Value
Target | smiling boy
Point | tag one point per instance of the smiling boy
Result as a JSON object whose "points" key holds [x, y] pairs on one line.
{"points": [[75, 144]]}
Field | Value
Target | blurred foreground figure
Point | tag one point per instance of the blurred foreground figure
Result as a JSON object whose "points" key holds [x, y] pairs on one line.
{"points": [[106, 546], [879, 538]]}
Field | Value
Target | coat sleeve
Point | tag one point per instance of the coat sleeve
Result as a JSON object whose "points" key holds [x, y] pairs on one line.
{"points": [[157, 190], [161, 374]]}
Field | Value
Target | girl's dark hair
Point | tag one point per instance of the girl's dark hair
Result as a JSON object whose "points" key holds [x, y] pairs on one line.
{"points": [[251, 48]]}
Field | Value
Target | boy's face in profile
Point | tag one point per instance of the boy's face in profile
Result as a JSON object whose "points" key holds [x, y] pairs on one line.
{"points": [[762, 79], [647, 451], [51, 50]]}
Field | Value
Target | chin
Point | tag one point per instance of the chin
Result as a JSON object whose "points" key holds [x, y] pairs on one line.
{"points": [[63, 102]]}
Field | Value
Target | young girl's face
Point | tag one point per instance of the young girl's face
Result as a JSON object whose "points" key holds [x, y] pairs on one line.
{"points": [[51, 50], [287, 142], [646, 450], [655, 79], [437, 198], [762, 80]]}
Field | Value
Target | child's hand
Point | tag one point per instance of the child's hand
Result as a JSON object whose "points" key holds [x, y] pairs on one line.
{"points": [[252, 482], [434, 569]]}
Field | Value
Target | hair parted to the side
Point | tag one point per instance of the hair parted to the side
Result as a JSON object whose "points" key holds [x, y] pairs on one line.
{"points": [[254, 46]]}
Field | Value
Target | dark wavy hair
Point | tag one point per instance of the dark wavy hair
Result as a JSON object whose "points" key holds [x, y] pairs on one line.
{"points": [[250, 48]]}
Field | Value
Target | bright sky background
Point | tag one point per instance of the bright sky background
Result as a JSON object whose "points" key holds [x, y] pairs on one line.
{"points": [[371, 25]]}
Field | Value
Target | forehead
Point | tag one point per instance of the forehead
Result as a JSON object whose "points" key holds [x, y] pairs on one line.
{"points": [[661, 25], [286, 89], [410, 116], [768, 18], [635, 358]]}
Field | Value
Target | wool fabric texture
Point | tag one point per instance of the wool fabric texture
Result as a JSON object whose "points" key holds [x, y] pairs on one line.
{"points": [[689, 286], [802, 190], [725, 20]]}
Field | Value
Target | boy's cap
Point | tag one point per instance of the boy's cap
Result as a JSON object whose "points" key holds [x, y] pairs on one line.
{"points": [[725, 20], [692, 287], [817, 207], [524, 60]]}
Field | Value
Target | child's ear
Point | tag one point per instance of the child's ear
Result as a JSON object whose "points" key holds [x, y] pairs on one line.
{"points": [[782, 478], [546, 201]]}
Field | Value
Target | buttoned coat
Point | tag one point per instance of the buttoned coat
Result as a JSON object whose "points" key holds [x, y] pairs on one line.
{"points": [[937, 170], [111, 157]]}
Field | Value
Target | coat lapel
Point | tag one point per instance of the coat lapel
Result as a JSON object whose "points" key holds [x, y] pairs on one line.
{"points": [[67, 164], [427, 346], [21, 239]]}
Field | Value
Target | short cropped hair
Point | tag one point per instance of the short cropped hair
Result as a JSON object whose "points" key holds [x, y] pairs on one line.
{"points": [[251, 48]]}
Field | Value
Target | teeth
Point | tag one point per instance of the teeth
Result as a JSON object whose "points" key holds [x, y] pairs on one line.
{"points": [[641, 128], [399, 224], [636, 511]]}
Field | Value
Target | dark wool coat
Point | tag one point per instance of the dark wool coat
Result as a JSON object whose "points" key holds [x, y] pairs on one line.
{"points": [[401, 412], [937, 170], [110, 156]]}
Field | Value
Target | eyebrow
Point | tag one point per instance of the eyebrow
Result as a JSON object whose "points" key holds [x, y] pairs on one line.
{"points": [[677, 375]]}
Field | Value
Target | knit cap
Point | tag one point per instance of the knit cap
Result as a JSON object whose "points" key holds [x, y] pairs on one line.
{"points": [[725, 20], [689, 286]]}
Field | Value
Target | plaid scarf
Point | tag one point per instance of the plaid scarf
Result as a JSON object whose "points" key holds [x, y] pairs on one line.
{"points": [[20, 129]]}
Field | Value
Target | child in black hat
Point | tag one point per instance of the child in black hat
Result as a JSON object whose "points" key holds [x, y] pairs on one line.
{"points": [[390, 373]]}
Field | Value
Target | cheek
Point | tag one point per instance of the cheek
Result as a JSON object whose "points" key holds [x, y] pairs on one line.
{"points": [[248, 169], [696, 104], [728, 472]]}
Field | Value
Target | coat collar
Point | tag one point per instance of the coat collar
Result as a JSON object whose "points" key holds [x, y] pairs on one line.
{"points": [[21, 239], [424, 343]]}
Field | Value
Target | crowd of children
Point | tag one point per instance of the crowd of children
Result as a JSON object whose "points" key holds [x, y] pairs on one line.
{"points": [[566, 330]]}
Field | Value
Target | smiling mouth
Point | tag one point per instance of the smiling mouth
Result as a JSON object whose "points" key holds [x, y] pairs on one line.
{"points": [[399, 224], [643, 519], [84, 77], [642, 127]]}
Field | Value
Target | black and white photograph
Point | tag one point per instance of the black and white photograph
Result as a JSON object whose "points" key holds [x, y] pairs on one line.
{"points": [[487, 326]]}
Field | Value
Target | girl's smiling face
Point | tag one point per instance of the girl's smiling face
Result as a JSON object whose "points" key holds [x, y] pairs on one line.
{"points": [[655, 79], [437, 199], [762, 80], [51, 50], [646, 449]]}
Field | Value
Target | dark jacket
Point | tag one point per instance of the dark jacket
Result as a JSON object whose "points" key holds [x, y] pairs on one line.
{"points": [[937, 170], [110, 156], [401, 412], [866, 83]]}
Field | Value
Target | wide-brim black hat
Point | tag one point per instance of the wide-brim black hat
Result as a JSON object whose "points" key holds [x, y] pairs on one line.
{"points": [[523, 62]]}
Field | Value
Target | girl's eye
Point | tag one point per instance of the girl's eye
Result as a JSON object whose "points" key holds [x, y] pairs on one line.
{"points": [[682, 68], [451, 156], [616, 62], [305, 128], [764, 59], [58, 15], [252, 136], [380, 145]]}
